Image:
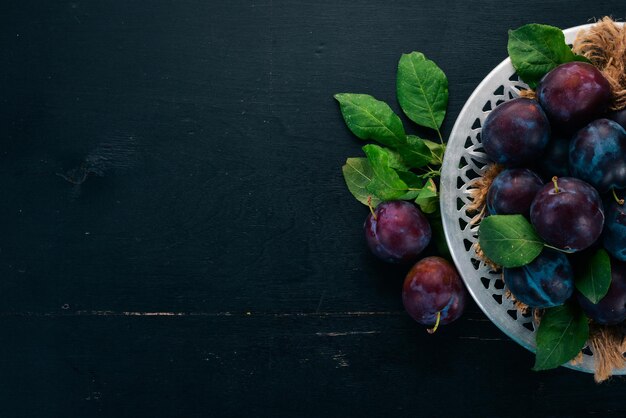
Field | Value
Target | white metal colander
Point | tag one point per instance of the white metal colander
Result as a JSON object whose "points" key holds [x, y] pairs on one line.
{"points": [[465, 160]]}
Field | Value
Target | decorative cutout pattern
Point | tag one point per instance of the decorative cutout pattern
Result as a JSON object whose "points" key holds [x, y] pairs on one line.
{"points": [[464, 161], [472, 165]]}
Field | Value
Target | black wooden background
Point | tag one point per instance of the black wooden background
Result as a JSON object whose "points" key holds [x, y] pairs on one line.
{"points": [[176, 238]]}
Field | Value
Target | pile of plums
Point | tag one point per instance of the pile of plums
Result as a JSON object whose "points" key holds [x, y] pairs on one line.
{"points": [[433, 293], [565, 170]]}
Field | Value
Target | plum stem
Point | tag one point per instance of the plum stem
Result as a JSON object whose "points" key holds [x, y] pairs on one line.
{"points": [[430, 172], [433, 329], [369, 205], [617, 199], [556, 184], [439, 159]]}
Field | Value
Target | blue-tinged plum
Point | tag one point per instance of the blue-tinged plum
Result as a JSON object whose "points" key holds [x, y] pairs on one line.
{"points": [[512, 192], [611, 309], [597, 154], [574, 94], [555, 160], [516, 132], [397, 232], [431, 288], [545, 282], [568, 214], [614, 236]]}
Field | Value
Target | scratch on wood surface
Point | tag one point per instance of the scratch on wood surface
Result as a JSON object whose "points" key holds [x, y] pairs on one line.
{"points": [[140, 313], [341, 360], [341, 334], [117, 151], [349, 313], [113, 313], [130, 313], [483, 339]]}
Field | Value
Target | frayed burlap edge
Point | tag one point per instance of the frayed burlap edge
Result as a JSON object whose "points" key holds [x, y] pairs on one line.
{"points": [[528, 94], [537, 314], [608, 345], [481, 256], [604, 44], [520, 306], [478, 189]]}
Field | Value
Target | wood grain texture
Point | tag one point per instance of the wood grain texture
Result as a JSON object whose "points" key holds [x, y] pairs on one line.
{"points": [[177, 239]]}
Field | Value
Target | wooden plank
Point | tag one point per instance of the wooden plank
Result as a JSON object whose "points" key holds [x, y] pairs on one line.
{"points": [[342, 364], [167, 167]]}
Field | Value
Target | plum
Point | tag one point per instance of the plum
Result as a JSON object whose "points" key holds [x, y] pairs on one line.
{"points": [[614, 235], [433, 288], [573, 94], [568, 214], [516, 132], [512, 192], [597, 155], [397, 231], [546, 281], [611, 309]]}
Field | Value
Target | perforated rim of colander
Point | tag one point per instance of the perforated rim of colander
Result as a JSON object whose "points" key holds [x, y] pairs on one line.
{"points": [[463, 161]]}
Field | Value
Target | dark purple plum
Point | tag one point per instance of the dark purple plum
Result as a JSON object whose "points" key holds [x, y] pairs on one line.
{"points": [[618, 116], [516, 132], [433, 287], [574, 94], [397, 232], [568, 214], [545, 282], [611, 309], [614, 236], [555, 160], [512, 192], [597, 154]]}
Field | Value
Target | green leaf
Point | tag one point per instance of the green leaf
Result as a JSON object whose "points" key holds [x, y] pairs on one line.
{"points": [[369, 118], [428, 198], [414, 183], [415, 152], [536, 49], [394, 159], [422, 90], [437, 151], [428, 206], [562, 333], [429, 190], [594, 278], [509, 240], [385, 184], [358, 173]]}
